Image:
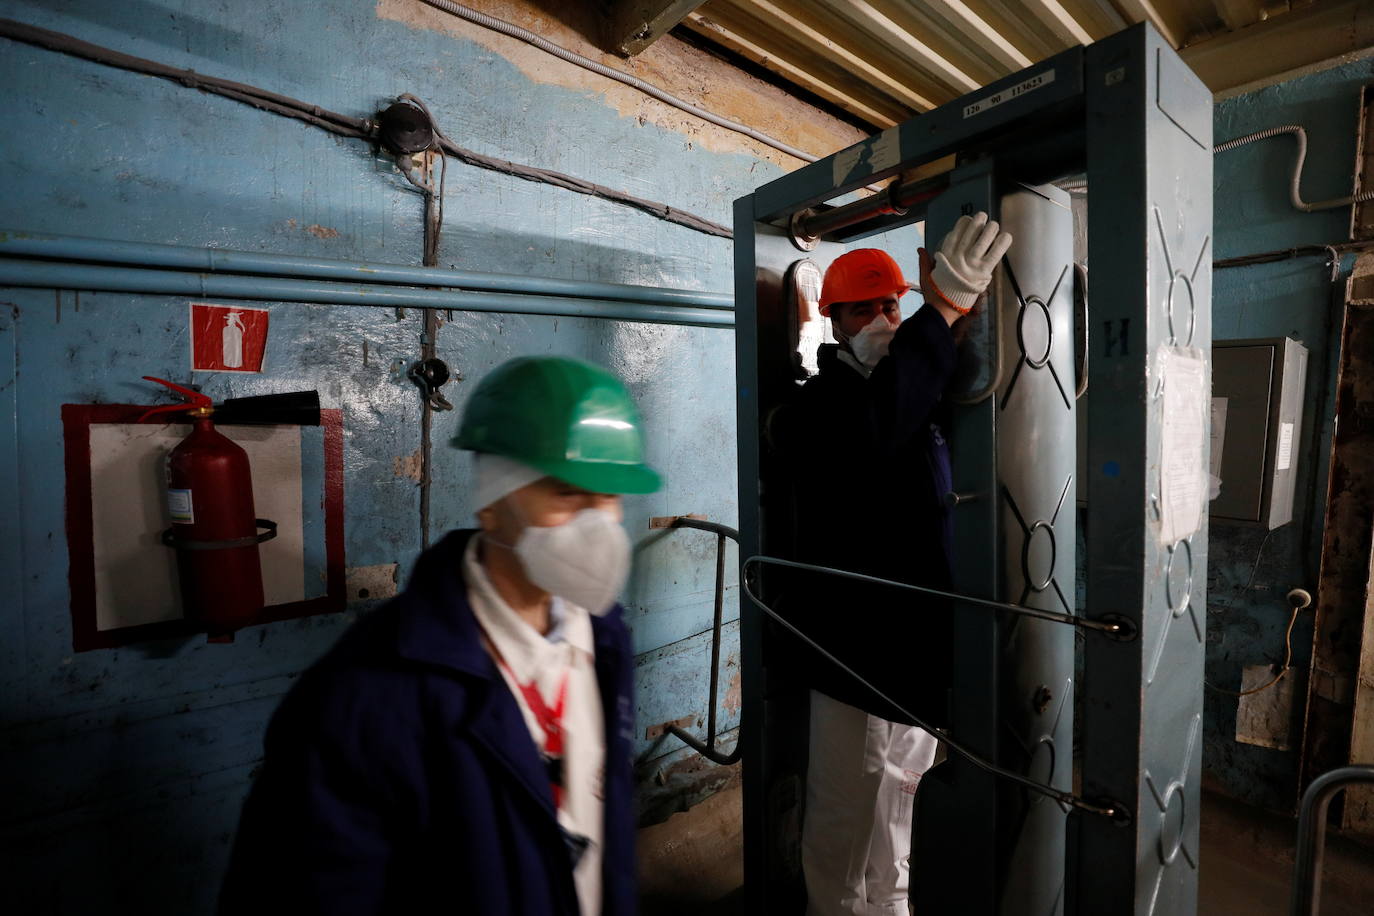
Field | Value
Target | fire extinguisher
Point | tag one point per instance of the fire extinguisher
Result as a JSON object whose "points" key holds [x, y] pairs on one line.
{"points": [[214, 531]]}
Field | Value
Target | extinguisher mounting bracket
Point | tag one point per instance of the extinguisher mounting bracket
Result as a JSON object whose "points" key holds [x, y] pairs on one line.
{"points": [[170, 538]]}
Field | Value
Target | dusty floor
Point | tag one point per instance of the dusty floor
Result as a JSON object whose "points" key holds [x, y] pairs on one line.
{"points": [[692, 863]]}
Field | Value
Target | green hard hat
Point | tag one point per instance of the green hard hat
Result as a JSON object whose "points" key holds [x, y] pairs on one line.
{"points": [[570, 419]]}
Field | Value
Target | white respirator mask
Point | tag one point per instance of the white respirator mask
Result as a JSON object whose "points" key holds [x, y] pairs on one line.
{"points": [[585, 560], [872, 342]]}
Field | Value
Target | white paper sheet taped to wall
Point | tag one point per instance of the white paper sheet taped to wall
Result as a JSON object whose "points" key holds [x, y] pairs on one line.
{"points": [[1218, 437], [1284, 460], [1184, 479], [1216, 445]]}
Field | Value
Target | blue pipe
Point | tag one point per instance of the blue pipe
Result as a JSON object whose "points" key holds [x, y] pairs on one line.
{"points": [[58, 275], [20, 243]]}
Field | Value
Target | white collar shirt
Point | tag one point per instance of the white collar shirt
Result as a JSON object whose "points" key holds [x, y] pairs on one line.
{"points": [[525, 656]]}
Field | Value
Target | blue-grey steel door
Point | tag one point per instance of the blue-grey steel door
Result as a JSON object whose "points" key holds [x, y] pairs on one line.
{"points": [[1149, 147], [1036, 517]]}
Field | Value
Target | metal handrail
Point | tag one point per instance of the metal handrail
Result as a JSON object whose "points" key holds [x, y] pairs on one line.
{"points": [[707, 748], [1307, 868]]}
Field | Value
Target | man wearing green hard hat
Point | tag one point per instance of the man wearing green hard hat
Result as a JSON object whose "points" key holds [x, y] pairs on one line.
{"points": [[466, 746]]}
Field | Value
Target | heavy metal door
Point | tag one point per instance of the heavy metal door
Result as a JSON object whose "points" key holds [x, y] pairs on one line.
{"points": [[1129, 110]]}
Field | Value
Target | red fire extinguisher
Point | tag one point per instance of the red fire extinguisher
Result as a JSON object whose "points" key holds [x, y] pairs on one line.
{"points": [[214, 531]]}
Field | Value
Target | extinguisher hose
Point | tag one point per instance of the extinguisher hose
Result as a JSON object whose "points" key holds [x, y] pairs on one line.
{"points": [[170, 538]]}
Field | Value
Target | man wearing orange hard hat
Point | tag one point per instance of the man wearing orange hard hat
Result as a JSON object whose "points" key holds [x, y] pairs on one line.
{"points": [[873, 436]]}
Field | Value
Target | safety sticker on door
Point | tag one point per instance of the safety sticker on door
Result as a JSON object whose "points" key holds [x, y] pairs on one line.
{"points": [[227, 338]]}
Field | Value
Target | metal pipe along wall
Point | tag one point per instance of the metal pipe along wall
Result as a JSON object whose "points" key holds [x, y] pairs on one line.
{"points": [[19, 243], [64, 275]]}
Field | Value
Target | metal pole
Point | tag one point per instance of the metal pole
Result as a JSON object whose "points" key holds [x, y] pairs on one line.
{"points": [[897, 198], [58, 275], [715, 638], [707, 748], [21, 243], [1311, 849]]}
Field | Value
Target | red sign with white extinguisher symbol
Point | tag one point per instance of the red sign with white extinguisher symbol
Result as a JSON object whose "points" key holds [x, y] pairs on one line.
{"points": [[227, 338]]}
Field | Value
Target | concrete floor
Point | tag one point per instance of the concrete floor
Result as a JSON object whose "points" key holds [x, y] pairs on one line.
{"points": [[691, 864]]}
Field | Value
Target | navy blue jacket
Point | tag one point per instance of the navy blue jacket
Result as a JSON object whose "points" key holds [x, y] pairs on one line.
{"points": [[870, 468], [400, 776]]}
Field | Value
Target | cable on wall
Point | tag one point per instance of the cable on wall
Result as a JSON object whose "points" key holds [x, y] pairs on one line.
{"points": [[1080, 186], [343, 125], [514, 31], [242, 92], [1331, 253], [1298, 598], [1294, 186], [1283, 669]]}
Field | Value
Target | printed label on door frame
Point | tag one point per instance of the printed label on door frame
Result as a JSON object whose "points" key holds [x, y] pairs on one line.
{"points": [[1011, 92]]}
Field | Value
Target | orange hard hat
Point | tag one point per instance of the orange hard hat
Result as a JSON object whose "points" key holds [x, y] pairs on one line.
{"points": [[860, 275]]}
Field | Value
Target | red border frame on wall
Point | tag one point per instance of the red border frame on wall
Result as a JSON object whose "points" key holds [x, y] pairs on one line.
{"points": [[76, 428]]}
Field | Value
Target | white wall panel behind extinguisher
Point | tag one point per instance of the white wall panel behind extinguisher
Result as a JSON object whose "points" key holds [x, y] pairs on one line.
{"points": [[135, 575]]}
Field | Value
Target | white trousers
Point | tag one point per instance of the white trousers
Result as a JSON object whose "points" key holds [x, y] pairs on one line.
{"points": [[860, 785]]}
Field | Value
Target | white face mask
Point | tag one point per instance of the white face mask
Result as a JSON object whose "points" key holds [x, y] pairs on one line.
{"points": [[585, 560], [872, 341]]}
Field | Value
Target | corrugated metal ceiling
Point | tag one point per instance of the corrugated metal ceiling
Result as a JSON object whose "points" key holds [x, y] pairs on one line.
{"points": [[886, 60]]}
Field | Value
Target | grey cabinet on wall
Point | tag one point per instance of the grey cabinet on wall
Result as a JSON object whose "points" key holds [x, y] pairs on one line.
{"points": [[1258, 391]]}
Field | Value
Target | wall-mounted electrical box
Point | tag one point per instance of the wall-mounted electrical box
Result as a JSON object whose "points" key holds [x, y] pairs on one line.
{"points": [[1258, 389]]}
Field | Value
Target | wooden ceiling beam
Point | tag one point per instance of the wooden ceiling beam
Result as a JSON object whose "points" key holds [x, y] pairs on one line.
{"points": [[836, 53], [1059, 21], [1307, 36], [884, 29], [921, 20], [1010, 20], [765, 57], [1098, 16], [633, 25], [1144, 11], [1237, 14], [977, 30]]}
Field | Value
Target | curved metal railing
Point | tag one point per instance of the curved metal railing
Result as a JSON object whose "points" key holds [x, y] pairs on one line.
{"points": [[707, 748], [1307, 869]]}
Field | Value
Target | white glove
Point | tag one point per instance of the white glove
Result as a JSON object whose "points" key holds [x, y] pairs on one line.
{"points": [[962, 268]]}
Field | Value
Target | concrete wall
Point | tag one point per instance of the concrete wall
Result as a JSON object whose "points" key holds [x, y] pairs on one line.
{"points": [[124, 768], [1246, 608]]}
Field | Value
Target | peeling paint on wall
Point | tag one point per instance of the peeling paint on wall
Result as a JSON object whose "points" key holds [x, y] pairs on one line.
{"points": [[669, 64], [372, 583], [409, 466], [733, 694]]}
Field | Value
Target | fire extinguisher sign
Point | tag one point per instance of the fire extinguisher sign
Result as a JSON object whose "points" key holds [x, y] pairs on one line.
{"points": [[227, 338]]}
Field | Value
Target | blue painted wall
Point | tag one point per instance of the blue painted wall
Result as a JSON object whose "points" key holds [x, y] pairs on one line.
{"points": [[124, 769], [1246, 624]]}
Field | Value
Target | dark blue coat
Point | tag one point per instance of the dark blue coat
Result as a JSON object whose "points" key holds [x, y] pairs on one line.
{"points": [[400, 776], [869, 470]]}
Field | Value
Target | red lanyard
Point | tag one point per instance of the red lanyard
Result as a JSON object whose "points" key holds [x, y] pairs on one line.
{"points": [[550, 721]]}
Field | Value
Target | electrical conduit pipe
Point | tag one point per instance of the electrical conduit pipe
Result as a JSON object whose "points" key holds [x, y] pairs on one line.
{"points": [[1295, 181], [20, 243], [65, 275]]}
